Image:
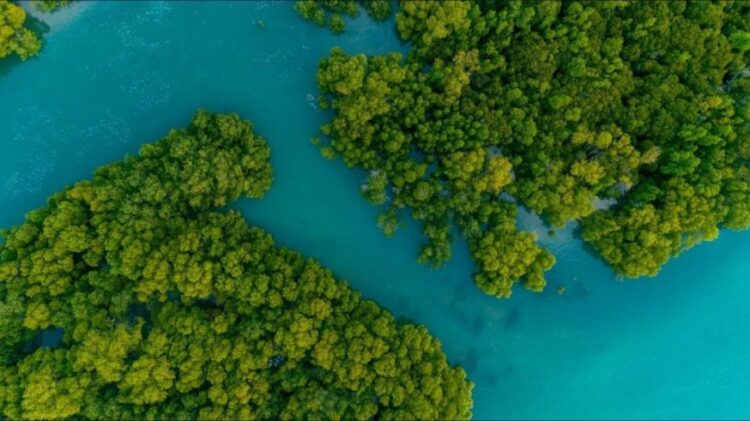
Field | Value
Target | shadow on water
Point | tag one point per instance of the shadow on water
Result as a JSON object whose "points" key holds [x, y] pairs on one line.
{"points": [[47, 338], [512, 318], [7, 64], [36, 25], [407, 312], [461, 305], [50, 338], [490, 379]]}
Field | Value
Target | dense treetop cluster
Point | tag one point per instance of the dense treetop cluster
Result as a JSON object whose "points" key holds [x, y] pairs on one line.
{"points": [[15, 38], [331, 13], [170, 310], [556, 106]]}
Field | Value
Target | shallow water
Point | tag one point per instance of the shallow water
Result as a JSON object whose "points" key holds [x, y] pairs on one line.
{"points": [[113, 76]]}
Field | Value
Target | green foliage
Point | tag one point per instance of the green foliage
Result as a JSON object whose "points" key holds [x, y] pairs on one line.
{"points": [[329, 12], [171, 310], [15, 38], [49, 6], [559, 105], [336, 23], [378, 9]]}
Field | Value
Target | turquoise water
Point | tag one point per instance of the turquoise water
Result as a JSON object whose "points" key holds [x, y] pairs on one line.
{"points": [[113, 76]]}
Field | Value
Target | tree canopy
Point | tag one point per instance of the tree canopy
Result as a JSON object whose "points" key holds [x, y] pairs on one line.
{"points": [[556, 106], [172, 310], [15, 38], [331, 13]]}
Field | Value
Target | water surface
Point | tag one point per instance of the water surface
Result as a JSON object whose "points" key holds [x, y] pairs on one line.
{"points": [[113, 75]]}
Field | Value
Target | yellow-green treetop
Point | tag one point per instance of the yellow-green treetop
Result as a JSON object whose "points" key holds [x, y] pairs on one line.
{"points": [[172, 310], [15, 38]]}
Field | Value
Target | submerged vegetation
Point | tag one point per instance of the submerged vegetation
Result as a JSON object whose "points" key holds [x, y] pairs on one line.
{"points": [[16, 39], [556, 106], [331, 12], [171, 310], [49, 6]]}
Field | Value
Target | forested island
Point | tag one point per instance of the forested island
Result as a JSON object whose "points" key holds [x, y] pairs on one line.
{"points": [[628, 117], [138, 295], [170, 309]]}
